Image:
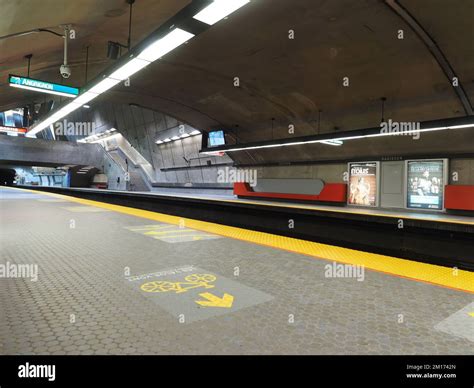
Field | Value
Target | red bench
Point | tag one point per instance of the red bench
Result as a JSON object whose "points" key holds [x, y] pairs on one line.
{"points": [[331, 192]]}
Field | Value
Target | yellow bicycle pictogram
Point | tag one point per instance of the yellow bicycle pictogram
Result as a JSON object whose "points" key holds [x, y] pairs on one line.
{"points": [[191, 281]]}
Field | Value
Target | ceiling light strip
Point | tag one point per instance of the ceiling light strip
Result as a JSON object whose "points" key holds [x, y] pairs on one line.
{"points": [[210, 14], [339, 140], [218, 10]]}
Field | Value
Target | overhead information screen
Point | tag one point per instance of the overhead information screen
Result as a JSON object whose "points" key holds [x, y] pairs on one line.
{"points": [[216, 138], [37, 85]]}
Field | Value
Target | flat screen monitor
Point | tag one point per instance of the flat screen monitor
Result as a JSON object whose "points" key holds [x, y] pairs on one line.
{"points": [[216, 139]]}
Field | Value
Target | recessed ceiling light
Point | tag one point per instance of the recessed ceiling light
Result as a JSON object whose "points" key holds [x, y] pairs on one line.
{"points": [[164, 45], [218, 10]]}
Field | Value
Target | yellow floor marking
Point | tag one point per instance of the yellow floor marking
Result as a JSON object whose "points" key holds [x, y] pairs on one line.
{"points": [[471, 314], [191, 281], [429, 273], [186, 236], [214, 301], [165, 233], [332, 209], [151, 227], [83, 209]]}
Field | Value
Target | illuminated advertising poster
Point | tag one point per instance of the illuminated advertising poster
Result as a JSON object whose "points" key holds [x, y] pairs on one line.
{"points": [[425, 184], [363, 183]]}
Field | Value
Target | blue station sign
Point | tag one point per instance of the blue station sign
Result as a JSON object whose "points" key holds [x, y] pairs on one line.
{"points": [[37, 85]]}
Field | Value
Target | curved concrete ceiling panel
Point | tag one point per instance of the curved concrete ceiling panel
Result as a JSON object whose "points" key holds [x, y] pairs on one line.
{"points": [[282, 81]]}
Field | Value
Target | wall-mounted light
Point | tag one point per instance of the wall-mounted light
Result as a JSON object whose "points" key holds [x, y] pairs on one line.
{"points": [[106, 135], [177, 137]]}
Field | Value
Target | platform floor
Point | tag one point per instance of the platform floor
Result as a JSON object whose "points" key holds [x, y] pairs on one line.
{"points": [[200, 292]]}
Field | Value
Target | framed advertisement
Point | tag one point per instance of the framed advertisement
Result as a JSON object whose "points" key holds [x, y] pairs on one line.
{"points": [[363, 184], [425, 182]]}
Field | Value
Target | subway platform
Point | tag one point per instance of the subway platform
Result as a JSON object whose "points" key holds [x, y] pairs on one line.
{"points": [[119, 280]]}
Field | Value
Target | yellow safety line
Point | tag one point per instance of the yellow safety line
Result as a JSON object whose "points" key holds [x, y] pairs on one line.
{"points": [[334, 209], [155, 233], [428, 273], [180, 236]]}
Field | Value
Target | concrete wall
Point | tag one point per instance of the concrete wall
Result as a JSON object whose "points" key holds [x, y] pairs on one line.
{"points": [[465, 171], [38, 152], [330, 173], [142, 127], [333, 173]]}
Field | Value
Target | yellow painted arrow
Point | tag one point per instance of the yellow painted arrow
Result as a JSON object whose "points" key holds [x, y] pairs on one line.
{"points": [[214, 301]]}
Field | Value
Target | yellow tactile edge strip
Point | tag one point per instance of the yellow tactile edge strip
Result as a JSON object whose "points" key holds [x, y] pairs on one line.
{"points": [[428, 273]]}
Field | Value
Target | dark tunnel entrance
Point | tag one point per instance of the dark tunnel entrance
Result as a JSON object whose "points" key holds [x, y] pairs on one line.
{"points": [[7, 176]]}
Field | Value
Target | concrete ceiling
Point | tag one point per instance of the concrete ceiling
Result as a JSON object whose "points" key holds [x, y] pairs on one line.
{"points": [[95, 23], [287, 80]]}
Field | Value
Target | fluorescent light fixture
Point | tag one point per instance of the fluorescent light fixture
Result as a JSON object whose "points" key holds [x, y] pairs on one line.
{"points": [[338, 141], [65, 110], [98, 138], [159, 142], [139, 60], [184, 135], [84, 98], [164, 45], [218, 10], [175, 138], [104, 85], [86, 106], [41, 91], [167, 140], [332, 142], [195, 132], [129, 69]]}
